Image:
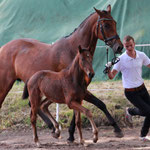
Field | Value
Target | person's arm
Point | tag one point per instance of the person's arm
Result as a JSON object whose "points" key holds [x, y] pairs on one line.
{"points": [[112, 74]]}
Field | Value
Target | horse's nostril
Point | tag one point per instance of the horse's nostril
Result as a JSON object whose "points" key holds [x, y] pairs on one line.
{"points": [[117, 48], [120, 48]]}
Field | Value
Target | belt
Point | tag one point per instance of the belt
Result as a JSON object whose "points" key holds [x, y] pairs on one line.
{"points": [[135, 89]]}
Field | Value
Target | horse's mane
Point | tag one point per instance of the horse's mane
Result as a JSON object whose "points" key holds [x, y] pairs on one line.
{"points": [[83, 22], [80, 26]]}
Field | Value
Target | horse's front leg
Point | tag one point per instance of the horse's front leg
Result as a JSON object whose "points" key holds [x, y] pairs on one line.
{"points": [[97, 102], [72, 129]]}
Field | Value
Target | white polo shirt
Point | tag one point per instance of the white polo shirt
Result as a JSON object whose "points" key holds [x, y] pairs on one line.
{"points": [[131, 69]]}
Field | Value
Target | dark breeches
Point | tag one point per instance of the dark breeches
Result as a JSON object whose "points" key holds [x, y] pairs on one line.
{"points": [[141, 100]]}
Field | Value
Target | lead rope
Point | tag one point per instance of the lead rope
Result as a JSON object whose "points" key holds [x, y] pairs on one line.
{"points": [[106, 69], [107, 53]]}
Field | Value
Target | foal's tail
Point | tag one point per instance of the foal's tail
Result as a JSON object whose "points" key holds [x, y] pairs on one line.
{"points": [[25, 94]]}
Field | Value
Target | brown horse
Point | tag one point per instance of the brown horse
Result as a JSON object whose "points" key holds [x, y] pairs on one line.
{"points": [[66, 87], [21, 58]]}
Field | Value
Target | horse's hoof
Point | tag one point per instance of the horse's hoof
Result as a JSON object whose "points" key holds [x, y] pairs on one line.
{"points": [[70, 140], [56, 135], [119, 134]]}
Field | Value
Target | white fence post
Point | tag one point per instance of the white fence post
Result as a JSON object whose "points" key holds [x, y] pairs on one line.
{"points": [[57, 112]]}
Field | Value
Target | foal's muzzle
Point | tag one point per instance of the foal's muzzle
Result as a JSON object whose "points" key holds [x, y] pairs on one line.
{"points": [[91, 75]]}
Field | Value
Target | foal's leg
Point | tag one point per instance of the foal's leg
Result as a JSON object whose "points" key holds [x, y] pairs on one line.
{"points": [[78, 124], [86, 112], [97, 102], [40, 113], [44, 108], [33, 117], [45, 119]]}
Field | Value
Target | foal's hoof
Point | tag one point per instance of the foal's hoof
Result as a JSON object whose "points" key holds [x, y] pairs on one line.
{"points": [[95, 139], [56, 135], [119, 134], [81, 141], [38, 145]]}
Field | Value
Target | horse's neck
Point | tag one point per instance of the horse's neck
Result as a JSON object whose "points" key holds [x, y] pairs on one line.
{"points": [[76, 73], [85, 33]]}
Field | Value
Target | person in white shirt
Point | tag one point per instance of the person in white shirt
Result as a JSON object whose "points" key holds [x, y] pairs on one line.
{"points": [[130, 65]]}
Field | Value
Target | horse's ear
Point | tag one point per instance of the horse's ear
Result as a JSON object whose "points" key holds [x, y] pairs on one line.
{"points": [[109, 9], [97, 11], [80, 49]]}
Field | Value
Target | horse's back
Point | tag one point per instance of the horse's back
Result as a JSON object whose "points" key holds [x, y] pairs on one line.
{"points": [[14, 47], [19, 44], [25, 56]]}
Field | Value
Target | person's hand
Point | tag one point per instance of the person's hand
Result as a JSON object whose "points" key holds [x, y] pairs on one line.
{"points": [[107, 67]]}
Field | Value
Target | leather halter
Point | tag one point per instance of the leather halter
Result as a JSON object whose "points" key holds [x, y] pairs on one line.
{"points": [[106, 39]]}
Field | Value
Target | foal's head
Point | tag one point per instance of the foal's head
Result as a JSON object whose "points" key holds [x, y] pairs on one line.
{"points": [[85, 62]]}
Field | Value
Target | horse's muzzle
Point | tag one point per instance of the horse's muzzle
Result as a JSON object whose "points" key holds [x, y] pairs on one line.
{"points": [[117, 48]]}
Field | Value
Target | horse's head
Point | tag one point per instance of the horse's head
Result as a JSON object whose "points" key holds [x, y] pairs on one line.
{"points": [[85, 62], [106, 30]]}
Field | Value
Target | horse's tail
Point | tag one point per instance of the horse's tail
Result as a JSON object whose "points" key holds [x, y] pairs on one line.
{"points": [[25, 94]]}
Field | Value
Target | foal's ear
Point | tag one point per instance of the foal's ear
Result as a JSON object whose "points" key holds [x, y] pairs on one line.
{"points": [[109, 9], [80, 49]]}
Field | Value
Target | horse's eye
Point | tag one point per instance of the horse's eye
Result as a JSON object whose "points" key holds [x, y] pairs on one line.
{"points": [[106, 25]]}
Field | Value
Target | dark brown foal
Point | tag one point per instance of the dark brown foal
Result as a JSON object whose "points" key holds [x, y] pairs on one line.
{"points": [[68, 86]]}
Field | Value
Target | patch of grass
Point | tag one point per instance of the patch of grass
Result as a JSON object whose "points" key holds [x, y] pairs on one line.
{"points": [[85, 122], [65, 117]]}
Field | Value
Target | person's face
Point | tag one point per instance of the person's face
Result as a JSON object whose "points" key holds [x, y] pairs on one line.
{"points": [[129, 46]]}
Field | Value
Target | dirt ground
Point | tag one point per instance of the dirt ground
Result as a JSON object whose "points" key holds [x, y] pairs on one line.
{"points": [[21, 139]]}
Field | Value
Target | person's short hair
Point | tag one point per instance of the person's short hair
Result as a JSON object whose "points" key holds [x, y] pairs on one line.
{"points": [[127, 38]]}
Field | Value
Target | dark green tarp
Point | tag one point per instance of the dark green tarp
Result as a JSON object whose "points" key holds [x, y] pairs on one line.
{"points": [[49, 20]]}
